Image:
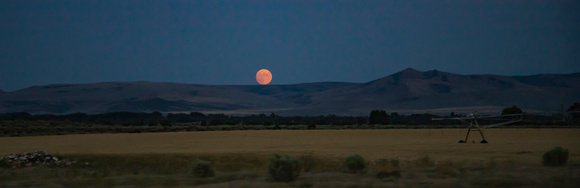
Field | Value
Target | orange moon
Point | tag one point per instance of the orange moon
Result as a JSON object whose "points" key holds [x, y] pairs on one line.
{"points": [[264, 76]]}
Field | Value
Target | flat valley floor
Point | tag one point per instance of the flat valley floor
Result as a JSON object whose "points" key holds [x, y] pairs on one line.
{"points": [[441, 144], [512, 158]]}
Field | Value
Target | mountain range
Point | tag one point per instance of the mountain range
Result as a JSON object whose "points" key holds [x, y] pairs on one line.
{"points": [[407, 91]]}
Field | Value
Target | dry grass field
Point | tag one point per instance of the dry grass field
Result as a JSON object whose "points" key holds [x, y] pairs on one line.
{"points": [[518, 151], [521, 144]]}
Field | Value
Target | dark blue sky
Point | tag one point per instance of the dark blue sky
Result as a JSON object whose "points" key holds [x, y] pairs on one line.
{"points": [[227, 42]]}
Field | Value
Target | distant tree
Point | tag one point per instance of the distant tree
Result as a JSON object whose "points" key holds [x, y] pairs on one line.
{"points": [[196, 114], [511, 110], [215, 122], [179, 118], [267, 123], [156, 115], [452, 114], [138, 123], [574, 107], [574, 111], [165, 123], [396, 118], [378, 117], [203, 123]]}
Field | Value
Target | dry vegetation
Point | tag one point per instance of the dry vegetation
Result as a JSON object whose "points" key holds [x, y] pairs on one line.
{"points": [[424, 158]]}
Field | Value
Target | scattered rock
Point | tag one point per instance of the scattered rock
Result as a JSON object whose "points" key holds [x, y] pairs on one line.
{"points": [[22, 160]]}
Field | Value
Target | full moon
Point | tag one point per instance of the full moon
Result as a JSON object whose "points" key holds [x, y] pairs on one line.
{"points": [[264, 76]]}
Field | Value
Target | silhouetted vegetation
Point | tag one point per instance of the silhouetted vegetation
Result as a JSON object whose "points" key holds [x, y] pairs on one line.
{"points": [[26, 124], [511, 110], [378, 117], [574, 111]]}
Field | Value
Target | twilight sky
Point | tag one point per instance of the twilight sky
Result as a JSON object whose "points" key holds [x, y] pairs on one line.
{"points": [[227, 42]]}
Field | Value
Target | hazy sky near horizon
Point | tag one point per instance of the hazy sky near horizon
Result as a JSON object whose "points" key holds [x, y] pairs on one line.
{"points": [[227, 42]]}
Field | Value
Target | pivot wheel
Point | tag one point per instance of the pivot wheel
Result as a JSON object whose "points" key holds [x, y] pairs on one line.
{"points": [[484, 142], [461, 141]]}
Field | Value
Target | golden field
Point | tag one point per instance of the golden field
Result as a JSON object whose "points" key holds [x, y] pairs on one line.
{"points": [[521, 144]]}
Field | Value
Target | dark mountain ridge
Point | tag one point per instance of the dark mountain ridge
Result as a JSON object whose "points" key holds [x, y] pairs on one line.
{"points": [[407, 91]]}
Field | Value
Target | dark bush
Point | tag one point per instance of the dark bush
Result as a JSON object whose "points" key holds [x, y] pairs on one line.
{"points": [[215, 122], [555, 157], [355, 164], [511, 110], [284, 169], [165, 123], [152, 123], [202, 169], [267, 123]]}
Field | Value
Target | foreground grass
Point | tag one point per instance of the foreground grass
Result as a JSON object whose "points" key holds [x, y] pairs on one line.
{"points": [[250, 170]]}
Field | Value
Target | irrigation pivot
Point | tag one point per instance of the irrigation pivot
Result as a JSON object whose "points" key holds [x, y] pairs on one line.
{"points": [[471, 119]]}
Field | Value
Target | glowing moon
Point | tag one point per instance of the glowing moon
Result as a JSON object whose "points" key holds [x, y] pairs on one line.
{"points": [[264, 76]]}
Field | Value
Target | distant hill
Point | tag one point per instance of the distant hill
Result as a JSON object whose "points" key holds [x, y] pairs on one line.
{"points": [[407, 91]]}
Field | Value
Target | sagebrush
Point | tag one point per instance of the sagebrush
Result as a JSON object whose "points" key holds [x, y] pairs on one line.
{"points": [[284, 169], [202, 169], [555, 157], [355, 164]]}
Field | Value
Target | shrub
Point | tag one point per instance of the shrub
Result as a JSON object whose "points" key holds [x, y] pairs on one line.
{"points": [[152, 123], [355, 164], [202, 169], [284, 169], [215, 122], [555, 157], [165, 123]]}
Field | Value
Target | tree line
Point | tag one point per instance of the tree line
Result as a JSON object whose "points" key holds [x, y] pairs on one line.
{"points": [[376, 117]]}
